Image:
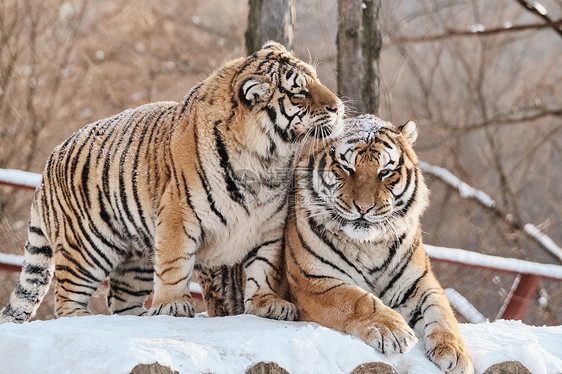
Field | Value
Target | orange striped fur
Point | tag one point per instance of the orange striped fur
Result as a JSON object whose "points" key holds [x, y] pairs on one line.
{"points": [[164, 187], [353, 247]]}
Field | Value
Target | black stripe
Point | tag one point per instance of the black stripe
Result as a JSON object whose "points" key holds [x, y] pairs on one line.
{"points": [[106, 218], [318, 257], [391, 253], [115, 144], [178, 281], [116, 288], [82, 305], [73, 291], [266, 60], [85, 190], [32, 296], [203, 178], [210, 198], [119, 311], [305, 273], [280, 207], [402, 212], [263, 259], [78, 266], [33, 269], [319, 230], [190, 204], [122, 188], [100, 252], [36, 230], [271, 113], [417, 314], [405, 261], [231, 186], [113, 122], [81, 213], [18, 315], [409, 291], [255, 250], [44, 250], [67, 280], [136, 198], [330, 289], [187, 101]]}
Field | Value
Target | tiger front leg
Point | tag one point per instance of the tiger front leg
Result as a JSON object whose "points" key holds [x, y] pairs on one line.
{"points": [[265, 283], [352, 310], [174, 261], [433, 318]]}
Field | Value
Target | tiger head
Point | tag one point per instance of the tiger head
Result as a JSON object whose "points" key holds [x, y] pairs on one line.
{"points": [[285, 96], [365, 183]]}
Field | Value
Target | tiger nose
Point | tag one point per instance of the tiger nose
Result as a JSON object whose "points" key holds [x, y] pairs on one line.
{"points": [[334, 108], [363, 209]]}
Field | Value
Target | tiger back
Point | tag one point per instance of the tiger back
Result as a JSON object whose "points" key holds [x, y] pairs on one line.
{"points": [[355, 260], [144, 196]]}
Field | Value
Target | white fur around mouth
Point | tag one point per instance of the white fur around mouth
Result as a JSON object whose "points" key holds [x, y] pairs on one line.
{"points": [[351, 217], [360, 234]]}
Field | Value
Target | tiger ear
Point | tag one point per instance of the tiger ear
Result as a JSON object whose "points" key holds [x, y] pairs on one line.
{"points": [[410, 131], [271, 44], [253, 90]]}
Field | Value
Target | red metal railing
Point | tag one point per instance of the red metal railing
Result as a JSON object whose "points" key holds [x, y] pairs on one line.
{"points": [[525, 285]]}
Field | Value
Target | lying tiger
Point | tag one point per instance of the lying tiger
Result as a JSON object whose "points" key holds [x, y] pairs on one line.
{"points": [[353, 245], [157, 189], [353, 248]]}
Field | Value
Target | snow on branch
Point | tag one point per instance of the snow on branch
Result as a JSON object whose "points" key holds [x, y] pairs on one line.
{"points": [[539, 10], [19, 178], [467, 192], [510, 265], [9, 259], [464, 307], [541, 238]]}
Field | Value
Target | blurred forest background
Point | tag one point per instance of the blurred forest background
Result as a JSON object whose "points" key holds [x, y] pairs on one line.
{"points": [[485, 93]]}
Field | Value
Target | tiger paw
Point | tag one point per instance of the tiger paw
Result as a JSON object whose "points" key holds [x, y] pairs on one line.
{"points": [[450, 355], [176, 308], [272, 307], [390, 334]]}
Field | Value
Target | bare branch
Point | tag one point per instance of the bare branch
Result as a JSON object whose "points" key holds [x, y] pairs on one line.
{"points": [[468, 192], [450, 33], [540, 11], [510, 120]]}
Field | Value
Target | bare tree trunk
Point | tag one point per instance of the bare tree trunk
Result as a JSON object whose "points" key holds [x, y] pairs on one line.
{"points": [[270, 20], [359, 44]]}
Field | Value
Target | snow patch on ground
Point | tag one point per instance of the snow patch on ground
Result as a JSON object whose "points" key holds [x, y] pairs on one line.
{"points": [[115, 344]]}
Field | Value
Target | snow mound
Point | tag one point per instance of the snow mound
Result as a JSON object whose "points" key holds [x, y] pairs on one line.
{"points": [[115, 344]]}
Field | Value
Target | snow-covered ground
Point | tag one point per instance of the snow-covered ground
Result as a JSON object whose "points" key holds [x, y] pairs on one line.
{"points": [[115, 344]]}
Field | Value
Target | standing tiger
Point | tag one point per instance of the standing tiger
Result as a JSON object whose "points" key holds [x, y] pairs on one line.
{"points": [[353, 247], [158, 190]]}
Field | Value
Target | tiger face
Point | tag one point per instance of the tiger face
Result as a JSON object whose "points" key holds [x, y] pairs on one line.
{"points": [[287, 96], [367, 182]]}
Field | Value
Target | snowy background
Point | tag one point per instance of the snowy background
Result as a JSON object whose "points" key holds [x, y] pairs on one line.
{"points": [[116, 344]]}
